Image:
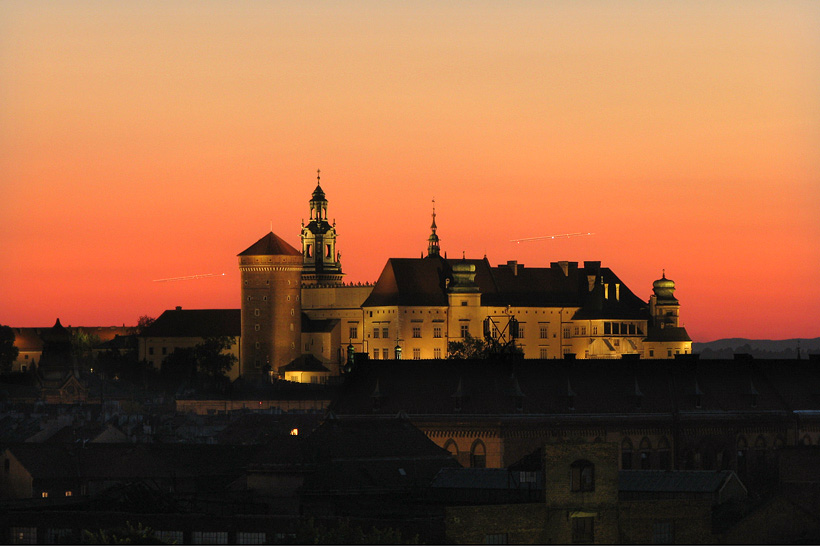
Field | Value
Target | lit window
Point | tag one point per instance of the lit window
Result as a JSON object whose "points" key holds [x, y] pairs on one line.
{"points": [[44, 494], [68, 493], [256, 312], [256, 326]]}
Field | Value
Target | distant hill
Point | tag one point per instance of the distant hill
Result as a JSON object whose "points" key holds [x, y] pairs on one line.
{"points": [[759, 349]]}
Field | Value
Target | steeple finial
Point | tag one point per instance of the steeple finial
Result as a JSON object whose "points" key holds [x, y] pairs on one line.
{"points": [[432, 241], [318, 178]]}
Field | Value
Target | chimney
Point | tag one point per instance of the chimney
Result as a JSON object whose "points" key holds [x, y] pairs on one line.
{"points": [[513, 265], [179, 308]]}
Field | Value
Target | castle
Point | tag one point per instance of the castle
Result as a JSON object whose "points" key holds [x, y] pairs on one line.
{"points": [[299, 319]]}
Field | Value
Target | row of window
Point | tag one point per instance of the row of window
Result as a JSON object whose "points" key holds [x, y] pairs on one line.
{"points": [[27, 535]]}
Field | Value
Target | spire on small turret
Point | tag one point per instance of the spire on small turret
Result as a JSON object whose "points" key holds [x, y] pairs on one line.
{"points": [[432, 241]]}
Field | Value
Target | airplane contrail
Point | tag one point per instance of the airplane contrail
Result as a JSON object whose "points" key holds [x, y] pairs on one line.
{"points": [[556, 236], [189, 277]]}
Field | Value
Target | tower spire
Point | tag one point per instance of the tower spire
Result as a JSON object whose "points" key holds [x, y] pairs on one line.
{"points": [[432, 241]]}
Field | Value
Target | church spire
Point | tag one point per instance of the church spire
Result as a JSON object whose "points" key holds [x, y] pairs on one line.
{"points": [[432, 241]]}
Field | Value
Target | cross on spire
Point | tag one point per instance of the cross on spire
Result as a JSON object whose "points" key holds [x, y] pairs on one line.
{"points": [[318, 178]]}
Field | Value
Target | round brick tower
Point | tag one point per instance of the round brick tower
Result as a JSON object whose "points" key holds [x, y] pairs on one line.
{"points": [[271, 276]]}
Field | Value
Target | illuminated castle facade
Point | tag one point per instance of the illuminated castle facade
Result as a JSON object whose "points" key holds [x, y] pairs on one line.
{"points": [[299, 318]]}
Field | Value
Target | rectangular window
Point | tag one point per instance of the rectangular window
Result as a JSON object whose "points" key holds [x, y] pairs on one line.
{"points": [[209, 538], [543, 332], [583, 529], [21, 535], [375, 332], [662, 533], [616, 328], [437, 353], [594, 331], [652, 353], [465, 330], [520, 330], [566, 332], [416, 332], [583, 331], [543, 353], [607, 328], [151, 350], [436, 332], [669, 353], [171, 537], [68, 493], [416, 353], [495, 539], [577, 331], [256, 327], [250, 538], [59, 536], [354, 332], [385, 332]]}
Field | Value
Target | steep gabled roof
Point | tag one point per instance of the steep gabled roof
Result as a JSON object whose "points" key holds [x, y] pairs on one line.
{"points": [[424, 282], [271, 244], [196, 323]]}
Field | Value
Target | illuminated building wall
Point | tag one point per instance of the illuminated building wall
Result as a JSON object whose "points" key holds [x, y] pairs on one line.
{"points": [[271, 274]]}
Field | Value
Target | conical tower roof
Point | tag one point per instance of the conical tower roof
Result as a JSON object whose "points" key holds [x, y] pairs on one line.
{"points": [[271, 244]]}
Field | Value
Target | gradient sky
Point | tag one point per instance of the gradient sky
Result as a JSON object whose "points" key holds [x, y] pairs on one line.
{"points": [[149, 140]]}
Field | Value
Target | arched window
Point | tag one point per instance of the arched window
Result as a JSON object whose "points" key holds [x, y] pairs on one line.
{"points": [[309, 251], [478, 455], [327, 251], [626, 454], [742, 453], [582, 475], [451, 447], [664, 455], [760, 452], [646, 453]]}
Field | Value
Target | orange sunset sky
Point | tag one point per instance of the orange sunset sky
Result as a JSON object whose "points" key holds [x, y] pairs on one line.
{"points": [[150, 140]]}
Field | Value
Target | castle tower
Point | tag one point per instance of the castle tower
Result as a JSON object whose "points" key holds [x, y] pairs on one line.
{"points": [[322, 262], [271, 274], [663, 306], [433, 248]]}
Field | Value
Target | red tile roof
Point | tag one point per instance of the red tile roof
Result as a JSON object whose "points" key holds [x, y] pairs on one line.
{"points": [[271, 244]]}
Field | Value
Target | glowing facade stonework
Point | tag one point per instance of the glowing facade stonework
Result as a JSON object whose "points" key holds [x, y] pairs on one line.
{"points": [[419, 305], [271, 275]]}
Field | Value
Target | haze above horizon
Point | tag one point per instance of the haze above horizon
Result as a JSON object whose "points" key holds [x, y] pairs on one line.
{"points": [[156, 140]]}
